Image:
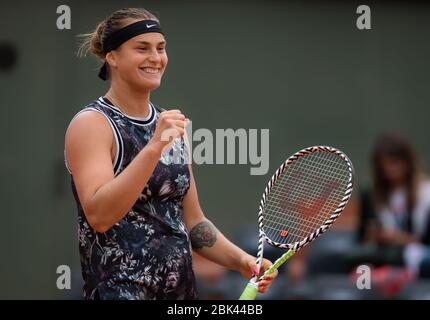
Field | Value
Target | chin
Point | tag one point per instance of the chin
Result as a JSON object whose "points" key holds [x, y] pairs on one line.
{"points": [[151, 85], [148, 85]]}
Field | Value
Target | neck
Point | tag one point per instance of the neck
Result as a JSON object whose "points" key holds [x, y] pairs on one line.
{"points": [[131, 102]]}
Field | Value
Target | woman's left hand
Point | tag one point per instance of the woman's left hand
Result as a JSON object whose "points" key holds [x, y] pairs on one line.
{"points": [[249, 268]]}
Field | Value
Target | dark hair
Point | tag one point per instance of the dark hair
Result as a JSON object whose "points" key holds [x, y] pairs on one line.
{"points": [[396, 146], [94, 41]]}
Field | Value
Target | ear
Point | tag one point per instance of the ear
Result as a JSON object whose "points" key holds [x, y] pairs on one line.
{"points": [[111, 59]]}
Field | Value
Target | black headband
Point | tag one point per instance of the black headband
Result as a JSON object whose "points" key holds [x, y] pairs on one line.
{"points": [[122, 35]]}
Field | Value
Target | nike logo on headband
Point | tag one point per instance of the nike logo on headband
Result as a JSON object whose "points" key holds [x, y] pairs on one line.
{"points": [[150, 25]]}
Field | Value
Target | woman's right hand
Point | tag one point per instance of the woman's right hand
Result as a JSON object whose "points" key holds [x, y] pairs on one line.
{"points": [[171, 125]]}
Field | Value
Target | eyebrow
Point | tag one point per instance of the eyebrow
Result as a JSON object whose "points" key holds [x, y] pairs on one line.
{"points": [[148, 43]]}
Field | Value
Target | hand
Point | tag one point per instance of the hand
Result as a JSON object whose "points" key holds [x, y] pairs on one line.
{"points": [[388, 236], [249, 269], [171, 125], [391, 236]]}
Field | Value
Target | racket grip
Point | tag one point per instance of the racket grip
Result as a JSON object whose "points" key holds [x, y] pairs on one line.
{"points": [[279, 262], [250, 292]]}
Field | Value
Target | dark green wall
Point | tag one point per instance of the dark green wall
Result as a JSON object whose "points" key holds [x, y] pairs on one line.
{"points": [[301, 69]]}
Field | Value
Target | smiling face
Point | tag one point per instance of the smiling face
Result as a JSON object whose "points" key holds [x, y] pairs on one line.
{"points": [[140, 62]]}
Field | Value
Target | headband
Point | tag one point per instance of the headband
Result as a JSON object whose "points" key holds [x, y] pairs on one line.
{"points": [[122, 35]]}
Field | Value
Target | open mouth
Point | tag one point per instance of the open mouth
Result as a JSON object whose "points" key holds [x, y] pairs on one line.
{"points": [[150, 70]]}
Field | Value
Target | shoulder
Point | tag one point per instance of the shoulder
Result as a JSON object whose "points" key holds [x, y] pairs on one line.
{"points": [[88, 118], [89, 122], [88, 138]]}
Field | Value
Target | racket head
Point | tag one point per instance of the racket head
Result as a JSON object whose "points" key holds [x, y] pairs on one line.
{"points": [[305, 196]]}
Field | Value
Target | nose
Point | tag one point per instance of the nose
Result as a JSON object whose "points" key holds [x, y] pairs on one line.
{"points": [[155, 56]]}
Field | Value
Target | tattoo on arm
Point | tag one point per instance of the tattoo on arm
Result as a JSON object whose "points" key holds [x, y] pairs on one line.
{"points": [[202, 235]]}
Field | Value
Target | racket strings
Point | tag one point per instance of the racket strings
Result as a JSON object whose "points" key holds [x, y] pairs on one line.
{"points": [[291, 202], [305, 195], [303, 207]]}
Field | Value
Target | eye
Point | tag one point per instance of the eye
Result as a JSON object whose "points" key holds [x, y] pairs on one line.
{"points": [[142, 49], [161, 49]]}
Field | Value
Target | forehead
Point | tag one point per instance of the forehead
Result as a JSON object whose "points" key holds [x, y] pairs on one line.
{"points": [[153, 38], [392, 159]]}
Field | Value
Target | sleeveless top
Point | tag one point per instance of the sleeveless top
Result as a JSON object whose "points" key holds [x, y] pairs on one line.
{"points": [[147, 254]]}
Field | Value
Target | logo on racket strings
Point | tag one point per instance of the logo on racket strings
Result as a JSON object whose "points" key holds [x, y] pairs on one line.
{"points": [[283, 233]]}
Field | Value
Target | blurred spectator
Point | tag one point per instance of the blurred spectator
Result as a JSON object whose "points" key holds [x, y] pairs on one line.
{"points": [[326, 254], [395, 212]]}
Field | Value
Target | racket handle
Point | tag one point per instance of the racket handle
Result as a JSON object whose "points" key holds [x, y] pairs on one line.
{"points": [[250, 292], [278, 262]]}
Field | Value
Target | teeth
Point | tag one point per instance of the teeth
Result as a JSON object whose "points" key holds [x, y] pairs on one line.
{"points": [[150, 70]]}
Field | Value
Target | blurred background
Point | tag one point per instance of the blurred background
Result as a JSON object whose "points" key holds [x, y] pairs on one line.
{"points": [[299, 68]]}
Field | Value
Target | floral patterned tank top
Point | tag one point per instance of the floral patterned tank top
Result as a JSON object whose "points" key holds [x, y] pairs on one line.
{"points": [[147, 254]]}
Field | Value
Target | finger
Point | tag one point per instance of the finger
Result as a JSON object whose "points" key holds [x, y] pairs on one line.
{"points": [[253, 267], [177, 132], [269, 283], [171, 111], [174, 116], [269, 277], [263, 273], [266, 266], [169, 134], [178, 123], [272, 275], [262, 284]]}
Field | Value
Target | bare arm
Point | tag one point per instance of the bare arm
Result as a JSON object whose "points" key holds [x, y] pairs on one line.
{"points": [[107, 199], [205, 238]]}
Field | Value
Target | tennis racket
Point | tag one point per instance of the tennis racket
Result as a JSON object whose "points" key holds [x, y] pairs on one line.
{"points": [[303, 198]]}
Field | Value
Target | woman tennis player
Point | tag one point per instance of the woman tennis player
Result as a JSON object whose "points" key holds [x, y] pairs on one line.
{"points": [[138, 211]]}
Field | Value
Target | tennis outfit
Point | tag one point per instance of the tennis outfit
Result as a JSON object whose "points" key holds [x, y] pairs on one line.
{"points": [[147, 254], [395, 214]]}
